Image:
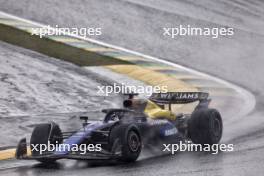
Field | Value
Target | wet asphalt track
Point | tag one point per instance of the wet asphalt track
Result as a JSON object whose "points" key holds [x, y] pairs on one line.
{"points": [[137, 25]]}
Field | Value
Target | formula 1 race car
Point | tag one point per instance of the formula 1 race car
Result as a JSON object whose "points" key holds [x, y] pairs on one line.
{"points": [[123, 133]]}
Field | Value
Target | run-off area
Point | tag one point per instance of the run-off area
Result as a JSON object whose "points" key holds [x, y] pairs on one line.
{"points": [[37, 89]]}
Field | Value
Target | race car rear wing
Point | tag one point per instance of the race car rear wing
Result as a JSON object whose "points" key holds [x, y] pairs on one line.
{"points": [[178, 97], [181, 98]]}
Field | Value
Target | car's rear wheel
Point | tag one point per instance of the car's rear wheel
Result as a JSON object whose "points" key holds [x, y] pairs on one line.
{"points": [[205, 126], [127, 140], [41, 134]]}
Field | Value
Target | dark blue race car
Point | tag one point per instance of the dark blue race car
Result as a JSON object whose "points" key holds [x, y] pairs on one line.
{"points": [[123, 133]]}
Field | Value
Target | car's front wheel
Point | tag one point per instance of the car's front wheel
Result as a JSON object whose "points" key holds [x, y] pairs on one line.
{"points": [[126, 139], [41, 135]]}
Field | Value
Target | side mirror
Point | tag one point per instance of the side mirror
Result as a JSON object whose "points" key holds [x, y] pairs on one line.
{"points": [[84, 118]]}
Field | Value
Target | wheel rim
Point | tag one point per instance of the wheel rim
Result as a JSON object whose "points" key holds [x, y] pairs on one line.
{"points": [[133, 142], [216, 126]]}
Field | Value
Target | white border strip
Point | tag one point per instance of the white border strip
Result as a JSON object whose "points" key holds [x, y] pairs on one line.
{"points": [[248, 97]]}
